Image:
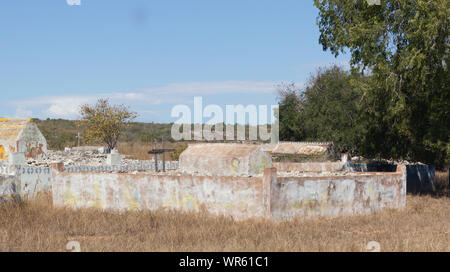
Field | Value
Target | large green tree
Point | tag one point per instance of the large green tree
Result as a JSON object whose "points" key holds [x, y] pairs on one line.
{"points": [[327, 109], [404, 45], [331, 108]]}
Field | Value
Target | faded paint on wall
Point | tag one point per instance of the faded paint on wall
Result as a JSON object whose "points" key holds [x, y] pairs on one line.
{"points": [[337, 196], [419, 178], [33, 181], [25, 183], [21, 135], [230, 196], [8, 188], [269, 196]]}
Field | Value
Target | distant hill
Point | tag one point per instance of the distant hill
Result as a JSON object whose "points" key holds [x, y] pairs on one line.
{"points": [[63, 133]]}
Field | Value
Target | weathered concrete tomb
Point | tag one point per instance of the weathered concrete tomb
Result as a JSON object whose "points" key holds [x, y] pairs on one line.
{"points": [[224, 159], [274, 196], [302, 151], [302, 148], [211, 180], [21, 136], [237, 180]]}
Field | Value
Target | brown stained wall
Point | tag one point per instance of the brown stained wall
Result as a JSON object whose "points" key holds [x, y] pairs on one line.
{"points": [[276, 198], [355, 194], [8, 187], [241, 198], [24, 183], [308, 166]]}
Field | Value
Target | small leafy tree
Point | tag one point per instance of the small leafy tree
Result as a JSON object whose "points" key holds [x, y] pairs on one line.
{"points": [[105, 122]]}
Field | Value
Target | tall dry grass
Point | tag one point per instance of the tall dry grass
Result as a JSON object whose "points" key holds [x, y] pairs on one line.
{"points": [[441, 184], [36, 226]]}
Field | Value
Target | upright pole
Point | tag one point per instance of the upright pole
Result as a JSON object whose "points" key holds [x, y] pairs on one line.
{"points": [[163, 154], [78, 139], [156, 157]]}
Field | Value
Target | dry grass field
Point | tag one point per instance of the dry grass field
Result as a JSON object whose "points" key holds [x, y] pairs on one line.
{"points": [[36, 226]]}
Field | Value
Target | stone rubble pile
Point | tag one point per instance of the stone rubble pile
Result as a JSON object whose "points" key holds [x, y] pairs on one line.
{"points": [[80, 158]]}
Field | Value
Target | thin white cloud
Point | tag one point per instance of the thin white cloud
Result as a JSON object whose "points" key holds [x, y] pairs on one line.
{"points": [[204, 88], [23, 112], [67, 106], [73, 2], [54, 106]]}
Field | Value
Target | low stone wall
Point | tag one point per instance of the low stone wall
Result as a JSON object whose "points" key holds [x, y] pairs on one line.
{"points": [[25, 182], [231, 196], [419, 178], [269, 196], [8, 187], [356, 194], [308, 166], [170, 165]]}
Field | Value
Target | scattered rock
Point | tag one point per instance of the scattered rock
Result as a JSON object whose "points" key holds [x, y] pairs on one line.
{"points": [[80, 158]]}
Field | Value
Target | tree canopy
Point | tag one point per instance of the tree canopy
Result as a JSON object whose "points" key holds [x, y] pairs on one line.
{"points": [[104, 122], [404, 46], [290, 117], [327, 109]]}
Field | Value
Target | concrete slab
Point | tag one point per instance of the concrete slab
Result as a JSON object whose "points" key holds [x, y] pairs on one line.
{"points": [[225, 159]]}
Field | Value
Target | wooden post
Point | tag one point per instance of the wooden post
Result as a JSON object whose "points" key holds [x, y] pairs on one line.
{"points": [[163, 154], [156, 157], [162, 151]]}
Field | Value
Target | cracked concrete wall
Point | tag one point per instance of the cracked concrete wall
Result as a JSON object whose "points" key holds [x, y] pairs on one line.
{"points": [[238, 197], [419, 178], [269, 196], [8, 187], [33, 181], [314, 197], [25, 183]]}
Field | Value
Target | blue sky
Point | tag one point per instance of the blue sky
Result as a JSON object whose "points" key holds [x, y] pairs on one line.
{"points": [[152, 55]]}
